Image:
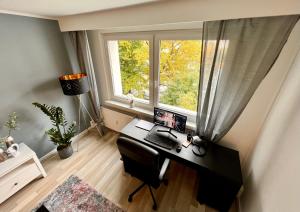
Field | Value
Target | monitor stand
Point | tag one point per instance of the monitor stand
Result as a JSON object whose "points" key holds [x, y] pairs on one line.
{"points": [[168, 131]]}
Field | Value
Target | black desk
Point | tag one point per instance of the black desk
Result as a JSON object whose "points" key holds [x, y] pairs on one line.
{"points": [[219, 170]]}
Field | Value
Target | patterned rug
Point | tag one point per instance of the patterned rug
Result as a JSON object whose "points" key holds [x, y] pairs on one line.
{"points": [[75, 195]]}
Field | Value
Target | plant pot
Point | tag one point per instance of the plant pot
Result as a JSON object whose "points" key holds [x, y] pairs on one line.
{"points": [[64, 152]]}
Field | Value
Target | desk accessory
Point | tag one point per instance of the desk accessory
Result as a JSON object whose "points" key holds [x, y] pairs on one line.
{"points": [[178, 148], [145, 125], [189, 137], [186, 143], [199, 147]]}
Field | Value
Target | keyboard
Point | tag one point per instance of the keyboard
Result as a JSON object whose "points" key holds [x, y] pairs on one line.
{"points": [[159, 140]]}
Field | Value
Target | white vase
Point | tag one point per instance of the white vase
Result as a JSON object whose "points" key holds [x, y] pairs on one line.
{"points": [[9, 141]]}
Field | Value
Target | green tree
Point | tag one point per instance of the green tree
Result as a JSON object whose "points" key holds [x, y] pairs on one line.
{"points": [[134, 62], [182, 92], [179, 70]]}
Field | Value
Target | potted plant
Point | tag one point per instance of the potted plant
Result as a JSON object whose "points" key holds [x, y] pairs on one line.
{"points": [[60, 134], [11, 124]]}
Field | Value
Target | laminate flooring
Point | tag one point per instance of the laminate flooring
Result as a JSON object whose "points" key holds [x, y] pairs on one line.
{"points": [[98, 163]]}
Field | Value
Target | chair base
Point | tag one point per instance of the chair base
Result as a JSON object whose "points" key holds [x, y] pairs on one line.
{"points": [[130, 197]]}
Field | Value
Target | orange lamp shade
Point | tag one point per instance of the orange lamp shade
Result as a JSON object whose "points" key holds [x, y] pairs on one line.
{"points": [[74, 84]]}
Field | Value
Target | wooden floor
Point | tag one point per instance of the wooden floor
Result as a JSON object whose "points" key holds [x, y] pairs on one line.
{"points": [[98, 164]]}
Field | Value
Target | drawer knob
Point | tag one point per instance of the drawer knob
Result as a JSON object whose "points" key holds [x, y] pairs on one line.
{"points": [[16, 184]]}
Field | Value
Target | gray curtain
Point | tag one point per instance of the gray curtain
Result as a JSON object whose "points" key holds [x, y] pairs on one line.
{"points": [[236, 56], [78, 48]]}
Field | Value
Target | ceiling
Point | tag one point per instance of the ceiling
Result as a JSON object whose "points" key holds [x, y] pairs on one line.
{"points": [[57, 8]]}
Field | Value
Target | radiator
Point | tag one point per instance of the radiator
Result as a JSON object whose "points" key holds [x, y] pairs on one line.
{"points": [[115, 120]]}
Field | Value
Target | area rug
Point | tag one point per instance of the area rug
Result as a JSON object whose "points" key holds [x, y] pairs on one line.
{"points": [[76, 195]]}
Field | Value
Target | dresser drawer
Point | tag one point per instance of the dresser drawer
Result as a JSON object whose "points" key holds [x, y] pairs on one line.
{"points": [[17, 179]]}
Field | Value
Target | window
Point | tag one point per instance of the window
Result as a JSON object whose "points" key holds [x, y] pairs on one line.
{"points": [[129, 62], [155, 69], [179, 65]]}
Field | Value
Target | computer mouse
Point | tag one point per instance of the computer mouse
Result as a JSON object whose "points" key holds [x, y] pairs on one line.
{"points": [[178, 147]]}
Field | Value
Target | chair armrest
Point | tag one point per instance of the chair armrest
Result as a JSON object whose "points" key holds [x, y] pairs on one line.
{"points": [[164, 169]]}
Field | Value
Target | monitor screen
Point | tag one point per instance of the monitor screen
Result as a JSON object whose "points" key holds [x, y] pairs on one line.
{"points": [[169, 119]]}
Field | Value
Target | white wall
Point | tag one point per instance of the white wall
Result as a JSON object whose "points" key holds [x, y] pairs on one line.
{"points": [[176, 11], [243, 135], [272, 180]]}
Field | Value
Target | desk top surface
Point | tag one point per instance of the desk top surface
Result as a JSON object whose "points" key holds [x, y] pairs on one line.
{"points": [[218, 159]]}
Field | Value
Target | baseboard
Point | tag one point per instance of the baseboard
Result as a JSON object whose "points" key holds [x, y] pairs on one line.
{"points": [[83, 133], [75, 139], [48, 155]]}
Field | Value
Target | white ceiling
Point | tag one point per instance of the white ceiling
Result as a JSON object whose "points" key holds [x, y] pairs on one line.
{"points": [[57, 8]]}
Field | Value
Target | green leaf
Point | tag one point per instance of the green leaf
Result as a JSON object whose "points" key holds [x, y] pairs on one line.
{"points": [[57, 118]]}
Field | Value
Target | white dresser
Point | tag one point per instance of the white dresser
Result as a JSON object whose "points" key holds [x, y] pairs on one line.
{"points": [[17, 172]]}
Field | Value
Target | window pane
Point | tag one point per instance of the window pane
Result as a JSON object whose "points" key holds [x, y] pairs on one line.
{"points": [[179, 73], [129, 61]]}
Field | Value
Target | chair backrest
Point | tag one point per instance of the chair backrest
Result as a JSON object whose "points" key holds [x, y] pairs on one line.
{"points": [[140, 160]]}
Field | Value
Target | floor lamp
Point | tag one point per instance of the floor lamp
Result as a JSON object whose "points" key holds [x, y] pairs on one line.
{"points": [[75, 85]]}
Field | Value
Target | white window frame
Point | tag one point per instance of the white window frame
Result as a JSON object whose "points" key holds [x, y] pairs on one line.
{"points": [[154, 38], [177, 35], [129, 36]]}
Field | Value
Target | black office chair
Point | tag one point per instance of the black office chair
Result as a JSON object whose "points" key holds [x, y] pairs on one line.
{"points": [[143, 163]]}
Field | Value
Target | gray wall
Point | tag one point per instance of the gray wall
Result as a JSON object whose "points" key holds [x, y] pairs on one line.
{"points": [[32, 57]]}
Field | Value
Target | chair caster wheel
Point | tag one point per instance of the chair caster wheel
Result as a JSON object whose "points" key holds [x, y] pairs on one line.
{"points": [[130, 199], [154, 207]]}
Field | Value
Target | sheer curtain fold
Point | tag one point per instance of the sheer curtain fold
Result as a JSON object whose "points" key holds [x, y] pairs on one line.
{"points": [[79, 52], [236, 56]]}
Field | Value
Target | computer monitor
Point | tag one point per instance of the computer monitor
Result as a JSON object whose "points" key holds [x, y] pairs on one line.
{"points": [[169, 119]]}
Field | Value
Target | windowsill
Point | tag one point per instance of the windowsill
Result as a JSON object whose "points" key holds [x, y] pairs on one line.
{"points": [[140, 111]]}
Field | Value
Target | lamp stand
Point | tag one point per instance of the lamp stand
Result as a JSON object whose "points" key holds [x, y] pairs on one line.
{"points": [[81, 105]]}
